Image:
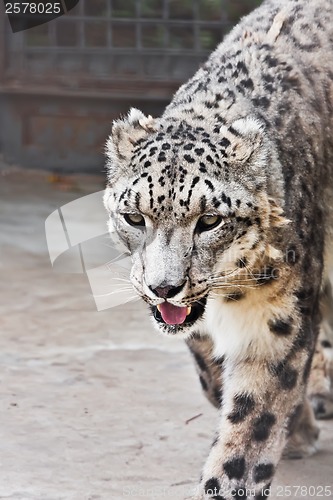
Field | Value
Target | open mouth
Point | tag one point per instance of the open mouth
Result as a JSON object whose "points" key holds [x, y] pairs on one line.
{"points": [[173, 315]]}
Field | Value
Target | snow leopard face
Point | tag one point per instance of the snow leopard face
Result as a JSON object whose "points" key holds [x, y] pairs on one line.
{"points": [[186, 201]]}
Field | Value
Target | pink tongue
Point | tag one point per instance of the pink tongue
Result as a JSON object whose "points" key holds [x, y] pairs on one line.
{"points": [[172, 315]]}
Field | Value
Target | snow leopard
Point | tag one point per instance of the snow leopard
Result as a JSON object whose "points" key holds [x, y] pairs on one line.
{"points": [[224, 203]]}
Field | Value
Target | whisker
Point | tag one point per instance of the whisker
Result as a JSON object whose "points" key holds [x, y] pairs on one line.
{"points": [[235, 285], [121, 279], [230, 283], [249, 271], [230, 298], [114, 293], [227, 273], [118, 256], [109, 294], [200, 302], [254, 277], [121, 288]]}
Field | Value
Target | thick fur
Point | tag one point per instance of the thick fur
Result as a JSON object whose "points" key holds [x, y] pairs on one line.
{"points": [[249, 140]]}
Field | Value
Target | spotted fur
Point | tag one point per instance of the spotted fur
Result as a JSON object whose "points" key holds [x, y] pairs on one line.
{"points": [[247, 145]]}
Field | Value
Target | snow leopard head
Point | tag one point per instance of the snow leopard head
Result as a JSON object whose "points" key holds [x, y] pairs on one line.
{"points": [[191, 202]]}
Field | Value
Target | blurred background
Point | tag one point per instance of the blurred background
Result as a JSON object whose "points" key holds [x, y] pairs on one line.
{"points": [[62, 83]]}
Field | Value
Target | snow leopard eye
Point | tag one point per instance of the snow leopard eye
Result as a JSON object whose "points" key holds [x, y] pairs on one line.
{"points": [[134, 219], [207, 222]]}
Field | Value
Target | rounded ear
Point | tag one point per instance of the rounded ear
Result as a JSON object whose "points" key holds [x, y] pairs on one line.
{"points": [[245, 135], [124, 135]]}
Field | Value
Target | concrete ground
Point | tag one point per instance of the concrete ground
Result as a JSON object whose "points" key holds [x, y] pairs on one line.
{"points": [[95, 405]]}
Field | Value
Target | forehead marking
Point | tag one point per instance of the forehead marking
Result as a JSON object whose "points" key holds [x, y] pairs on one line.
{"points": [[203, 203], [137, 200], [169, 235], [209, 184]]}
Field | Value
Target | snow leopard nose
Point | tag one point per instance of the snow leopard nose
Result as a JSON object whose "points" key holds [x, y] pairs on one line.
{"points": [[167, 292]]}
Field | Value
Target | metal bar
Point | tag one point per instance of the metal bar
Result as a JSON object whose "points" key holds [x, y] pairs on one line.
{"points": [[116, 50], [224, 16], [109, 26], [138, 35], [196, 25], [52, 36], [165, 20], [82, 25], [164, 91], [151, 20], [138, 55], [17, 52], [166, 36], [3, 45], [138, 32]]}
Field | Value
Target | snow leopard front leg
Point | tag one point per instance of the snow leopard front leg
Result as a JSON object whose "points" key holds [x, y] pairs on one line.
{"points": [[302, 442], [209, 368], [262, 403]]}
